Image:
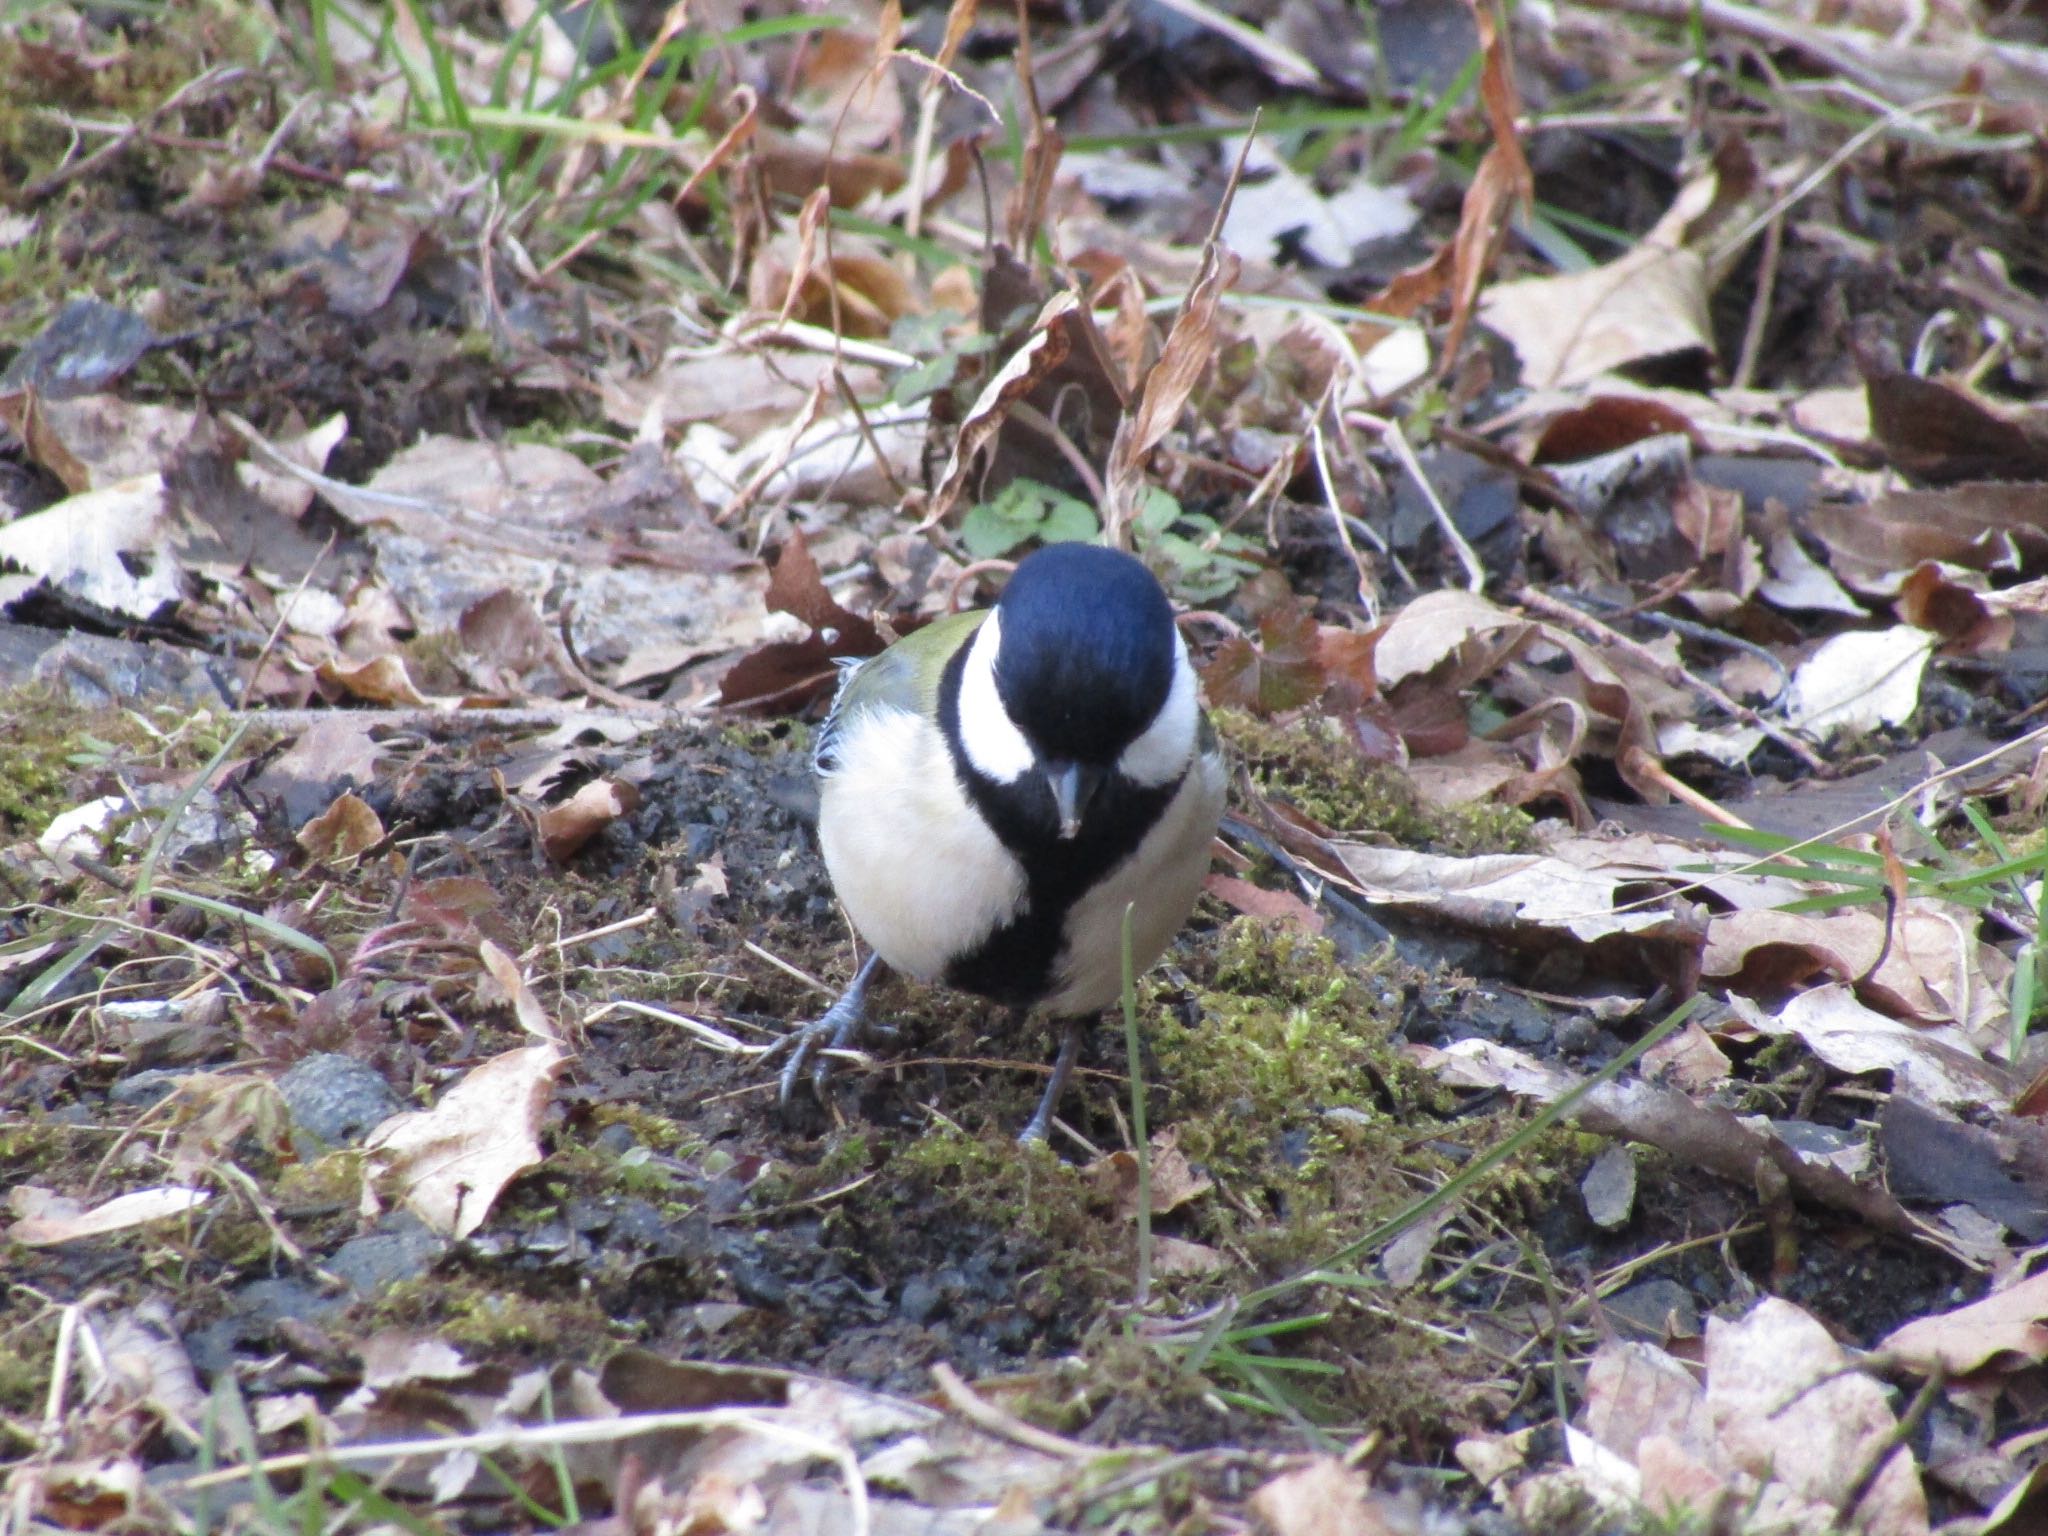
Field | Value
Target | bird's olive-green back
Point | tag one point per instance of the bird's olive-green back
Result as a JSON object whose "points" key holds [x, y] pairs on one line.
{"points": [[905, 676]]}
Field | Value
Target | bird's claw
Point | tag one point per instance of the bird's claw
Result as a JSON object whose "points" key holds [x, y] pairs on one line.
{"points": [[833, 1030]]}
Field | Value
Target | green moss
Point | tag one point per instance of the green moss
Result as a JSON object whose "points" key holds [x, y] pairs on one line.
{"points": [[991, 1180], [36, 771], [28, 1343], [649, 1129], [765, 736], [468, 1311], [1310, 762], [1282, 1030]]}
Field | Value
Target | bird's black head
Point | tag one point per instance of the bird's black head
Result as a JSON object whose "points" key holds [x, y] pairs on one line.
{"points": [[1087, 653]]}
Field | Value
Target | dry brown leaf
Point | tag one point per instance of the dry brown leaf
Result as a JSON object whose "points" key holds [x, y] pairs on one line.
{"points": [[96, 441], [506, 638], [107, 549], [1945, 601], [1688, 1060], [1260, 902], [1936, 1064], [565, 828], [1174, 1179], [380, 680], [1650, 302], [1044, 349], [1634, 1391], [1189, 349], [1993, 527], [1935, 970], [1781, 1406], [1474, 636], [1940, 433], [2008, 1328], [46, 1217], [347, 827], [451, 1162], [518, 992], [847, 96], [1324, 1498]]}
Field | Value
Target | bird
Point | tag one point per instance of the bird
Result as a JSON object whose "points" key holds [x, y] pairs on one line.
{"points": [[996, 787]]}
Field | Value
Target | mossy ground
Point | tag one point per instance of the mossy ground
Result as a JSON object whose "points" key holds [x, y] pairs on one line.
{"points": [[897, 1226], [1309, 761]]}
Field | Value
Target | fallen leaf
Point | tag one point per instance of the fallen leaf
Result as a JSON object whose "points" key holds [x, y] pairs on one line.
{"points": [[1939, 1065], [1575, 326], [347, 827], [1781, 1406], [565, 828], [46, 1218], [1609, 1188], [1324, 1498], [1174, 1180], [1860, 681], [1179, 1256], [1983, 526], [107, 549], [1634, 1391], [452, 1161], [1926, 964], [2008, 1327], [1267, 905]]}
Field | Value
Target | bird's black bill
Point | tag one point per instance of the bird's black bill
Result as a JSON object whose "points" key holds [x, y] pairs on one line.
{"points": [[1073, 785]]}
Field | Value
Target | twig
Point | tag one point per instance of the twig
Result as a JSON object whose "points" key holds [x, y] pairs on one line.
{"points": [[710, 1034], [1367, 598], [1899, 1438], [1760, 306], [1031, 416], [1475, 573], [284, 613], [590, 935], [986, 1416], [1704, 633], [43, 186], [867, 432], [787, 969], [565, 657]]}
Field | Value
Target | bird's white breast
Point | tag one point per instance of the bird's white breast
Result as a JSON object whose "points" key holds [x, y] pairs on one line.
{"points": [[1162, 877], [920, 873]]}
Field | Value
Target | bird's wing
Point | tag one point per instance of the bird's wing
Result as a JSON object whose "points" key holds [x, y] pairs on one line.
{"points": [[905, 676]]}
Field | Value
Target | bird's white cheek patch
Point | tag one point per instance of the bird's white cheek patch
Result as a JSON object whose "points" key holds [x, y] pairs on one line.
{"points": [[988, 735], [1161, 754]]}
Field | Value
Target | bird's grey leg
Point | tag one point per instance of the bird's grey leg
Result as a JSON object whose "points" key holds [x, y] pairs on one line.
{"points": [[1062, 1068], [834, 1029]]}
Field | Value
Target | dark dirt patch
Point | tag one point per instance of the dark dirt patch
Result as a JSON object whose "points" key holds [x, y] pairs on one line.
{"points": [[899, 1225]]}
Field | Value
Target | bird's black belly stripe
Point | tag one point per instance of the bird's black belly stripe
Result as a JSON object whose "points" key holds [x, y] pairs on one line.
{"points": [[1014, 964]]}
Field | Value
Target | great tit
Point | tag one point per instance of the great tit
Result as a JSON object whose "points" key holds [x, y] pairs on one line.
{"points": [[997, 786]]}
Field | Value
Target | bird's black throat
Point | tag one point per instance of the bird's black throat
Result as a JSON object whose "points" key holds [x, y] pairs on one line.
{"points": [[1014, 964]]}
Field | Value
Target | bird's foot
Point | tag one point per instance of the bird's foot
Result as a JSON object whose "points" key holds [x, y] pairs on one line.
{"points": [[1049, 1102], [811, 1045]]}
